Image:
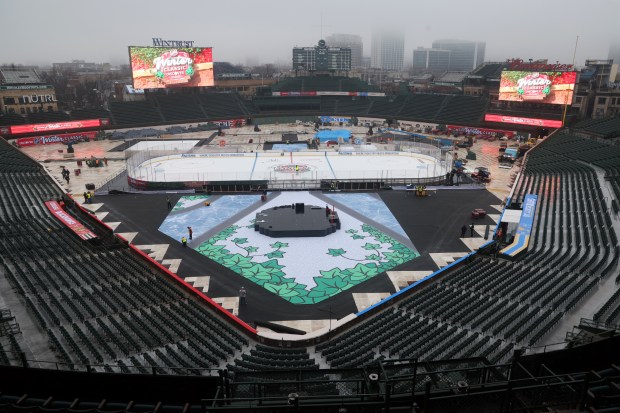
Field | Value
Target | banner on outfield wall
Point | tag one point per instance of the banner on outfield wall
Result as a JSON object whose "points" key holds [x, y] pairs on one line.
{"points": [[416, 125], [334, 119], [327, 93], [370, 121], [545, 123], [61, 138], [75, 226], [230, 123], [469, 130]]}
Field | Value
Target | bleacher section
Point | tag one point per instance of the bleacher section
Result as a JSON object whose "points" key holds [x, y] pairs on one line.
{"points": [[269, 358], [179, 107], [605, 128], [322, 83], [462, 109], [90, 114], [276, 104], [352, 106], [12, 119], [97, 305], [387, 107], [185, 108], [48, 117], [422, 107], [222, 105], [134, 113]]}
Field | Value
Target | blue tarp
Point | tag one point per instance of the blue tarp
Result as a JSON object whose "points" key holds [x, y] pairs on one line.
{"points": [[522, 236], [333, 135]]}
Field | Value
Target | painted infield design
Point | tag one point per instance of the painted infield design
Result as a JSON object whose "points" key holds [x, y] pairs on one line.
{"points": [[300, 270], [191, 211], [371, 206], [189, 201]]}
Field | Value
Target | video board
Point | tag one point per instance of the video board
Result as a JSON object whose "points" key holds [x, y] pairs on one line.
{"points": [[554, 88], [165, 67]]}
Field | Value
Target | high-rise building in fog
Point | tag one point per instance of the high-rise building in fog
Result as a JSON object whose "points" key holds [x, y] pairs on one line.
{"points": [[431, 60], [351, 41], [387, 51], [614, 54], [465, 55]]}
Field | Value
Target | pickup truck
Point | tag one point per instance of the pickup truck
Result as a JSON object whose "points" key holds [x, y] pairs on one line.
{"points": [[509, 155]]}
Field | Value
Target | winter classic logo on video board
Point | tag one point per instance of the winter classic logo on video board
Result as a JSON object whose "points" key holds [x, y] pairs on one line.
{"points": [[161, 67], [538, 87]]}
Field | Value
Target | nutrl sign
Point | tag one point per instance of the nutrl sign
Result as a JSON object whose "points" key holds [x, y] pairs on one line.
{"points": [[27, 99]]}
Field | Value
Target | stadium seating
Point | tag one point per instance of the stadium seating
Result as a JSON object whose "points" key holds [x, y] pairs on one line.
{"points": [[12, 119], [101, 305], [352, 106], [90, 114], [179, 107], [322, 83], [134, 113], [606, 128], [47, 117], [422, 107], [462, 109], [387, 107], [222, 105]]}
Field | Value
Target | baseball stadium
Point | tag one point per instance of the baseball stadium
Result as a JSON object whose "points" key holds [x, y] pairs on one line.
{"points": [[302, 250]]}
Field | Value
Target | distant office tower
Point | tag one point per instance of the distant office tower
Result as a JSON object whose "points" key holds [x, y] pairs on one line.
{"points": [[431, 60], [351, 41], [614, 52], [387, 51], [465, 55], [322, 58]]}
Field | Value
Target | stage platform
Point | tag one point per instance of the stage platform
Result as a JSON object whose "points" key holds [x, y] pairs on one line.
{"points": [[297, 220]]}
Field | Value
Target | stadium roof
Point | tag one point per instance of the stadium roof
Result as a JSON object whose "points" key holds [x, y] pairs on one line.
{"points": [[19, 77], [452, 77], [490, 70]]}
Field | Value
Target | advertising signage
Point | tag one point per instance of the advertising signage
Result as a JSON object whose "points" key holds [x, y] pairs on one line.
{"points": [[469, 130], [80, 230], [537, 87], [61, 138], [545, 123], [165, 67], [47, 127]]}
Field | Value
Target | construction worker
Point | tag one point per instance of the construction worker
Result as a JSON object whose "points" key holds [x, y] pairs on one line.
{"points": [[184, 241]]}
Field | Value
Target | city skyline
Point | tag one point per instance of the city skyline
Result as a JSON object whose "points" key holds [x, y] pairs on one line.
{"points": [[101, 32]]}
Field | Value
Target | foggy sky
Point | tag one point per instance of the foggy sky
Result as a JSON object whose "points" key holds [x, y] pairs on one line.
{"points": [[42, 32]]}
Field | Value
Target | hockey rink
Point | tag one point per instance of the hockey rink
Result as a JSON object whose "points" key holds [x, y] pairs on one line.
{"points": [[287, 166]]}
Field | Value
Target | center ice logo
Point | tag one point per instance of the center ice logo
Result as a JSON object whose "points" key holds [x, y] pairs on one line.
{"points": [[292, 168]]}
